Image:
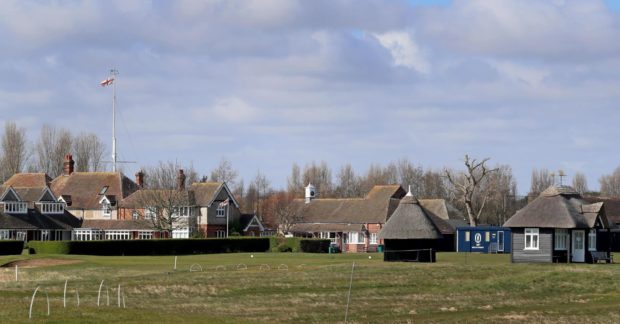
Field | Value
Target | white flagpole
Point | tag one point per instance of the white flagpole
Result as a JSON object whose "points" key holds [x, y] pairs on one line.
{"points": [[114, 73], [227, 208]]}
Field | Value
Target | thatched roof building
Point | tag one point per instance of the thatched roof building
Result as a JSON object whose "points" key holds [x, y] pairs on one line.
{"points": [[411, 220]]}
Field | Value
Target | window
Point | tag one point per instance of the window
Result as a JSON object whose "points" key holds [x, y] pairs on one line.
{"points": [[373, 238], [45, 235], [561, 239], [145, 235], [467, 236], [103, 190], [182, 211], [4, 235], [592, 240], [16, 207], [220, 234], [356, 238], [117, 235], [180, 233], [531, 239], [220, 211], [107, 209], [52, 208], [487, 236], [135, 215], [150, 212]]}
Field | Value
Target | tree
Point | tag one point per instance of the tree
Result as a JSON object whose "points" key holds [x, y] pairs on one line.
{"points": [[52, 146], [541, 180], [263, 187], [88, 151], [294, 184], [467, 184], [14, 150], [348, 184], [319, 175], [410, 175], [165, 175], [224, 172], [501, 189], [281, 210], [610, 183], [580, 183]]}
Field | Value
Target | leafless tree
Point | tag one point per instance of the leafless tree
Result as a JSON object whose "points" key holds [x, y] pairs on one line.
{"points": [[500, 188], [281, 210], [52, 146], [263, 188], [167, 209], [224, 172], [14, 150], [348, 184], [410, 175], [164, 175], [610, 183], [320, 175], [88, 151], [580, 183], [467, 185], [435, 185], [294, 183], [541, 180]]}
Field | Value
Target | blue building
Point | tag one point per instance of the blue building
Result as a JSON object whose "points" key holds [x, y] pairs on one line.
{"points": [[484, 239]]}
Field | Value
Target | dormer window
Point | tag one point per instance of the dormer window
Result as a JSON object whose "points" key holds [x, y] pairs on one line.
{"points": [[52, 207], [103, 190], [15, 207], [106, 207]]}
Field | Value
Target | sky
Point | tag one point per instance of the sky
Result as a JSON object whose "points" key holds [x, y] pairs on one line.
{"points": [[269, 83]]}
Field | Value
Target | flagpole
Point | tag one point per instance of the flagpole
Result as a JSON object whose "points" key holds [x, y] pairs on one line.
{"points": [[227, 209], [114, 73]]}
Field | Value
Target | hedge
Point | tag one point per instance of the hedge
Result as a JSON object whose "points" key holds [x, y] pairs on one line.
{"points": [[152, 247], [284, 244], [11, 247], [314, 245]]}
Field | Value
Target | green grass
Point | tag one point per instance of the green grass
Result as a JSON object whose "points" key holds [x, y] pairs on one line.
{"points": [[458, 288]]}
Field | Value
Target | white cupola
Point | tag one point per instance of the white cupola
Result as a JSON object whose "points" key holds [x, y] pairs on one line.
{"points": [[310, 193]]}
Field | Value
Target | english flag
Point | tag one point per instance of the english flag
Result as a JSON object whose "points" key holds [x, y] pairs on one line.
{"points": [[224, 203], [106, 82]]}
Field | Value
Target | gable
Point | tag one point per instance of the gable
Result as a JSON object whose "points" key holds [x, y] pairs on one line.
{"points": [[10, 195]]}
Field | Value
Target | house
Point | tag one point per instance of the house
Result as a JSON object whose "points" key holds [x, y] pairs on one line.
{"points": [[91, 195], [558, 226], [415, 233], [105, 229], [30, 211], [205, 208], [352, 224]]}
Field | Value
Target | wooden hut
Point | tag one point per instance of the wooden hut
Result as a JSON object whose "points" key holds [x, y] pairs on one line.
{"points": [[413, 233], [559, 226]]}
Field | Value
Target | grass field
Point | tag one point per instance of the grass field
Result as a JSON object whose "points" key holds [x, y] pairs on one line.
{"points": [[281, 287]]}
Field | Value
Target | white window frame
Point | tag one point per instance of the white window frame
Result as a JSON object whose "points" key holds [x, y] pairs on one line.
{"points": [[145, 235], [592, 239], [357, 238], [373, 238], [561, 239], [150, 212], [220, 234], [180, 233], [16, 207], [220, 211], [106, 209], [534, 238]]}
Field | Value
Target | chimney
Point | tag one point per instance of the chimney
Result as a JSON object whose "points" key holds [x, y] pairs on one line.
{"points": [[181, 180], [67, 166], [140, 179]]}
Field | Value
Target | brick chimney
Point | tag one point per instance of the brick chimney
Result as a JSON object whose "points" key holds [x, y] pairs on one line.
{"points": [[140, 179], [68, 165], [181, 180]]}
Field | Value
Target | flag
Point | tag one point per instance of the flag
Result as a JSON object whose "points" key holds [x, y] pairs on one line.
{"points": [[106, 82], [223, 203]]}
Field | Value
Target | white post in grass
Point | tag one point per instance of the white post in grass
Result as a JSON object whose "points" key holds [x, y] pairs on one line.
{"points": [[119, 295], [77, 294], [16, 267], [175, 263], [32, 302], [64, 295], [99, 294], [346, 314]]}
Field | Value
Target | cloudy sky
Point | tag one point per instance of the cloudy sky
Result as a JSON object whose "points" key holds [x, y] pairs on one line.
{"points": [[265, 83]]}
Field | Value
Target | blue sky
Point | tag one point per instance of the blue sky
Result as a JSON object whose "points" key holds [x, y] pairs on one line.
{"points": [[532, 84]]}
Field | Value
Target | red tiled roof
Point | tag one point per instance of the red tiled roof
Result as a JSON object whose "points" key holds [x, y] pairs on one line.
{"points": [[85, 187]]}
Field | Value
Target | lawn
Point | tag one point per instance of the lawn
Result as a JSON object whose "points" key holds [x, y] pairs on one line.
{"points": [[287, 287]]}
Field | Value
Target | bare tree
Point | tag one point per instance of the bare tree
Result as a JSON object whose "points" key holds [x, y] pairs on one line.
{"points": [[88, 151], [348, 184], [263, 188], [281, 210], [167, 209], [467, 184], [320, 175], [541, 180], [14, 150], [610, 183], [294, 184], [224, 172], [501, 188], [580, 183], [164, 175], [52, 146], [435, 185], [410, 175]]}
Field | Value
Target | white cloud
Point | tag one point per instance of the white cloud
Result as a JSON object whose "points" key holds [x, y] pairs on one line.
{"points": [[228, 110], [404, 50]]}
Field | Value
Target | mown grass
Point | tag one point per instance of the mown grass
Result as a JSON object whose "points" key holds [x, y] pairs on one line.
{"points": [[313, 288]]}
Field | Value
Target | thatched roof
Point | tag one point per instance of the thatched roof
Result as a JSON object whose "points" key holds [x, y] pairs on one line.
{"points": [[558, 207], [412, 221], [612, 207]]}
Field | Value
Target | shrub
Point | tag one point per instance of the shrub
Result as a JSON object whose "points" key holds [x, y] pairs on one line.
{"points": [[314, 245], [284, 244], [11, 247], [153, 247]]}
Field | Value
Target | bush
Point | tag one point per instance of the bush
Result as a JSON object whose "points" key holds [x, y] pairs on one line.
{"points": [[284, 244], [314, 245], [153, 247], [11, 247]]}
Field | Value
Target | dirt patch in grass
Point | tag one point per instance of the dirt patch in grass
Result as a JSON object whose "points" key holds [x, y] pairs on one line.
{"points": [[34, 263]]}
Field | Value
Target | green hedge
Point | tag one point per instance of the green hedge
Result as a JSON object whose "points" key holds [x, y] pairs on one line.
{"points": [[284, 244], [11, 247], [314, 245], [152, 247]]}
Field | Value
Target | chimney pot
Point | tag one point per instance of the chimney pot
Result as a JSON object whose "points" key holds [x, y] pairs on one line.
{"points": [[68, 165], [181, 180], [140, 179]]}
